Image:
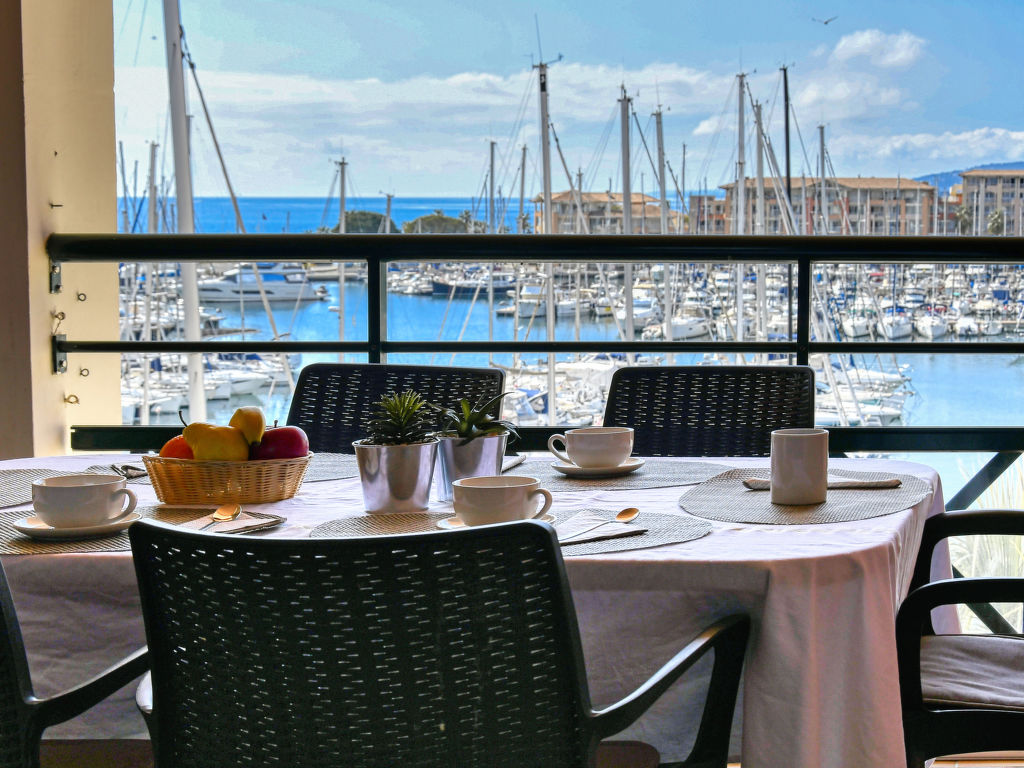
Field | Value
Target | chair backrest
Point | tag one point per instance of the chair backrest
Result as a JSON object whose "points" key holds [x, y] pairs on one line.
{"points": [[709, 410], [456, 648], [18, 741], [333, 402]]}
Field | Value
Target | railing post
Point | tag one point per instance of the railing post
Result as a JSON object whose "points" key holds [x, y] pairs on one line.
{"points": [[376, 307], [803, 309]]}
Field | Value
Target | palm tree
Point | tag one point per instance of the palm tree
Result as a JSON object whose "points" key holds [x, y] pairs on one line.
{"points": [[964, 220], [996, 223]]}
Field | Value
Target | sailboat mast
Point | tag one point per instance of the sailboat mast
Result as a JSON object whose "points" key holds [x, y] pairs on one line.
{"points": [[549, 315], [183, 194], [152, 226], [341, 264], [491, 223], [627, 213], [521, 221], [661, 173], [785, 99], [824, 190], [682, 193], [741, 176], [759, 221]]}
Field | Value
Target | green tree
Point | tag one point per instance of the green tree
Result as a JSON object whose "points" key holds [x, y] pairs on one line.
{"points": [[964, 220], [996, 224], [435, 223], [471, 225], [362, 222]]}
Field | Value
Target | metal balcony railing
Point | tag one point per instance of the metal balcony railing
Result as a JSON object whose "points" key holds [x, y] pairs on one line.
{"points": [[378, 251]]}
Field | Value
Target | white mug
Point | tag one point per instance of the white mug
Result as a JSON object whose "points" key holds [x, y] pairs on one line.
{"points": [[499, 499], [77, 501], [799, 459], [592, 447]]}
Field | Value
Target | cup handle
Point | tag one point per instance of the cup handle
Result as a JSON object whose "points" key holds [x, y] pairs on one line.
{"points": [[547, 501], [132, 500], [551, 447]]}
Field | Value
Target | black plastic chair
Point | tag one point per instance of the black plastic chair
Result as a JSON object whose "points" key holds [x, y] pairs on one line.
{"points": [[709, 410], [333, 402], [23, 717], [960, 693], [446, 649]]}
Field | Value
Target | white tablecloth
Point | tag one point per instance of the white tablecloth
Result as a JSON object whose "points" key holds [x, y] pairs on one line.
{"points": [[820, 683]]}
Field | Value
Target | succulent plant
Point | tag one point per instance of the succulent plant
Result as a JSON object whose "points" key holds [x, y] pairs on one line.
{"points": [[400, 419], [472, 421]]}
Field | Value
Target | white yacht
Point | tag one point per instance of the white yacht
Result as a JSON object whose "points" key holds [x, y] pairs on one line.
{"points": [[931, 326], [855, 326], [894, 326], [241, 285], [686, 327]]}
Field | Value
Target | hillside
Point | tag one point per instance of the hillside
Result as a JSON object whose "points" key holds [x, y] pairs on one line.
{"points": [[945, 179]]}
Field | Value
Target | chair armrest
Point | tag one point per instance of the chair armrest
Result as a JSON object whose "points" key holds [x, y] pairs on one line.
{"points": [[144, 696], [914, 616], [77, 700], [728, 638], [962, 522]]}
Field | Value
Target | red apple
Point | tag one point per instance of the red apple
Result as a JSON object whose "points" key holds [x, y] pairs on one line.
{"points": [[282, 443], [176, 448]]}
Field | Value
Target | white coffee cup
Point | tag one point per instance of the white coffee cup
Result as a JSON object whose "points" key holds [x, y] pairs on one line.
{"points": [[499, 499], [592, 447], [77, 501], [799, 459]]}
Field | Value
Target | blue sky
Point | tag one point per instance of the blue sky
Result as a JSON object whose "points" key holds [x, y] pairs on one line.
{"points": [[412, 92]]}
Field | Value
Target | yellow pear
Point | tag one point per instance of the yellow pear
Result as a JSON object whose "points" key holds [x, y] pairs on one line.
{"points": [[250, 420], [210, 443]]}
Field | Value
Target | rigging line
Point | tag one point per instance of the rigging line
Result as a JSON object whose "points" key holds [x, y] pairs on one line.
{"points": [[138, 41], [124, 20], [774, 102], [713, 146], [330, 195], [800, 136], [602, 146], [646, 148]]}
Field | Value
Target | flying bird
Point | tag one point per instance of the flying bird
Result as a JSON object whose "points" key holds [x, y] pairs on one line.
{"points": [[825, 21]]}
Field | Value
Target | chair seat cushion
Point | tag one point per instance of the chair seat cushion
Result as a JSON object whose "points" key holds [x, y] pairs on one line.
{"points": [[973, 671]]}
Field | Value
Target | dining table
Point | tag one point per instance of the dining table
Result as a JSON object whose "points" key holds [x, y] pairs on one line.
{"points": [[820, 684]]}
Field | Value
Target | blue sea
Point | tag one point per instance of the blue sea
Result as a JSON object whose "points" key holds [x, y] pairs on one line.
{"points": [[955, 390], [297, 215]]}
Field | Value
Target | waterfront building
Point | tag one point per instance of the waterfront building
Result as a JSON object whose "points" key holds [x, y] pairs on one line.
{"points": [[603, 212], [862, 205], [995, 200]]}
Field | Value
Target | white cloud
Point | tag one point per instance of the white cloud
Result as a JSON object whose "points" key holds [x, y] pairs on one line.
{"points": [[974, 146], [898, 50]]}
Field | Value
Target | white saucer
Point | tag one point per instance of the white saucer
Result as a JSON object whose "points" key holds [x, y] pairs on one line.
{"points": [[451, 523], [631, 464], [37, 529]]}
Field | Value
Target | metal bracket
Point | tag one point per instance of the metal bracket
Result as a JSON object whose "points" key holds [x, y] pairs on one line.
{"points": [[60, 357], [55, 284]]}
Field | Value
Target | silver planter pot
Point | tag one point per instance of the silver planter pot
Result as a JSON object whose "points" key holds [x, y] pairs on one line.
{"points": [[396, 478], [480, 456]]}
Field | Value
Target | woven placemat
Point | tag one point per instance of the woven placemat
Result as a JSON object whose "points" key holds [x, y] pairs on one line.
{"points": [[655, 473], [16, 484], [378, 525], [724, 498], [661, 528], [13, 542], [331, 466], [119, 469]]}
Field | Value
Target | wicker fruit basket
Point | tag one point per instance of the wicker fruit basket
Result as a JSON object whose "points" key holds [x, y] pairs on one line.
{"points": [[186, 481]]}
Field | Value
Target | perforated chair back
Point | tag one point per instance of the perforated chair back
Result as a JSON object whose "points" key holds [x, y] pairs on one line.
{"points": [[439, 649], [709, 410], [333, 402]]}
